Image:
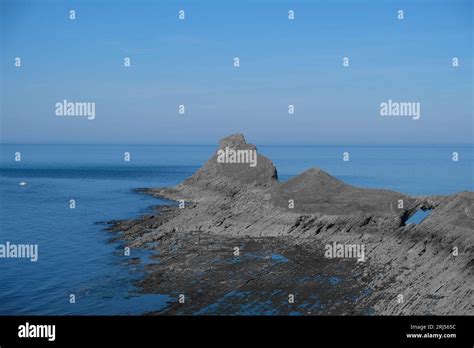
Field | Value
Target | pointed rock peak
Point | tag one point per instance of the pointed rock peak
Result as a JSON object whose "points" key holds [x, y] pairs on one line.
{"points": [[233, 141], [238, 161], [314, 172], [311, 177]]}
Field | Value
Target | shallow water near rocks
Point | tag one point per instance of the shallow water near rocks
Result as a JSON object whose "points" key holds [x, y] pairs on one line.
{"points": [[256, 282]]}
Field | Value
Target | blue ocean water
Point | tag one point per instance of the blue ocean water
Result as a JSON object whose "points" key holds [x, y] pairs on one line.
{"points": [[74, 256], [416, 170]]}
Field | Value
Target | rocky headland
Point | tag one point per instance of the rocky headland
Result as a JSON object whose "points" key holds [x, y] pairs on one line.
{"points": [[245, 243]]}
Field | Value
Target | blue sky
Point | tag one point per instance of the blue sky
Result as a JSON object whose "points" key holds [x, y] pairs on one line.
{"points": [[282, 62]]}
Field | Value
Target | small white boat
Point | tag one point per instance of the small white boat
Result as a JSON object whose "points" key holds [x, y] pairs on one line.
{"points": [[23, 183]]}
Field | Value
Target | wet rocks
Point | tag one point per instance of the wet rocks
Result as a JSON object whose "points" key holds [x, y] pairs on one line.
{"points": [[232, 204]]}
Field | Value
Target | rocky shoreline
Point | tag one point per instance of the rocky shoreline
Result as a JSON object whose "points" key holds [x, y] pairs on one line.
{"points": [[244, 243]]}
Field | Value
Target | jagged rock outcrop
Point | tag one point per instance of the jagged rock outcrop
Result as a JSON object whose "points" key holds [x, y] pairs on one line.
{"points": [[216, 179]]}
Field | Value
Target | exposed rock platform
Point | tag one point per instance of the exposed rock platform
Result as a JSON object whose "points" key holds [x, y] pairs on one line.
{"points": [[232, 205]]}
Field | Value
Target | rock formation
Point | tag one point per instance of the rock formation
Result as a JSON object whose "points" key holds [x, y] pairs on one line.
{"points": [[429, 264]]}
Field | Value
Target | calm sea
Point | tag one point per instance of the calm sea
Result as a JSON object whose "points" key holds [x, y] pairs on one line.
{"points": [[74, 256]]}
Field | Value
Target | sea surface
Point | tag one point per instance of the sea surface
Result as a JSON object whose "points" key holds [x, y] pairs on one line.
{"points": [[74, 255]]}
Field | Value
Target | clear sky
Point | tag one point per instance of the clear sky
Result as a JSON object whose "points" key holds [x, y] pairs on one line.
{"points": [[282, 62]]}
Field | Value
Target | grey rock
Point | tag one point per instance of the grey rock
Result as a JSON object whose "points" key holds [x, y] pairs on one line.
{"points": [[232, 201]]}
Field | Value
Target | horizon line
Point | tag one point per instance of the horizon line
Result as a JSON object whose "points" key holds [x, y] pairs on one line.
{"points": [[265, 145]]}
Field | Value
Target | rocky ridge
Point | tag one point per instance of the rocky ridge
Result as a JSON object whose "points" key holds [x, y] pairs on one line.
{"points": [[230, 200]]}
